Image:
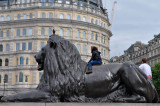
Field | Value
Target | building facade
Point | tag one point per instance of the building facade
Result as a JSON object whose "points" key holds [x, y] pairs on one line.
{"points": [[25, 26], [137, 51]]}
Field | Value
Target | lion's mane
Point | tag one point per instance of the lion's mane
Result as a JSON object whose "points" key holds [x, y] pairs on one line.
{"points": [[63, 74]]}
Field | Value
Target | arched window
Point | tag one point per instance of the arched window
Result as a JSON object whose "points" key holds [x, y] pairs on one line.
{"points": [[68, 16], [24, 16], [43, 15], [84, 48], [78, 33], [7, 47], [68, 32], [84, 34], [30, 15], [78, 18], [6, 62], [8, 18], [61, 16], [92, 35], [0, 62], [2, 18], [61, 32], [50, 31], [27, 61], [20, 76], [84, 19], [50, 15], [18, 17], [5, 78], [18, 32], [42, 31], [21, 60], [101, 24], [1, 48], [102, 52], [0, 79], [92, 21], [96, 37], [96, 22], [51, 1]]}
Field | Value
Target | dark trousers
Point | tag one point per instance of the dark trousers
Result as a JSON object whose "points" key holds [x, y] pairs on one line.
{"points": [[99, 62]]}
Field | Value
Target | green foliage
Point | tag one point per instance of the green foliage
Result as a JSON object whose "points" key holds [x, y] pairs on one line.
{"points": [[156, 77]]}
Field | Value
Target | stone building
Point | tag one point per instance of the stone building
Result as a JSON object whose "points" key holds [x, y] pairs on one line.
{"points": [[25, 26], [137, 51]]}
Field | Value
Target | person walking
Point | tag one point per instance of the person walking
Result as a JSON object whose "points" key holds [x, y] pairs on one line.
{"points": [[146, 68]]}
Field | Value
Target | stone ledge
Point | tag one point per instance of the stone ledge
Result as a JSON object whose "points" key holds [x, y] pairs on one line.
{"points": [[79, 104]]}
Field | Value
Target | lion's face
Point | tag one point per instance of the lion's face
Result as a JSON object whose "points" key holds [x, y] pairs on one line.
{"points": [[40, 56]]}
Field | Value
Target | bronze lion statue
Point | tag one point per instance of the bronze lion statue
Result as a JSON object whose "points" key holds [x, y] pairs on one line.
{"points": [[64, 79]]}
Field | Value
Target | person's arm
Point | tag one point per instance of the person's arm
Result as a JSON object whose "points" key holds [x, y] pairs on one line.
{"points": [[92, 57]]}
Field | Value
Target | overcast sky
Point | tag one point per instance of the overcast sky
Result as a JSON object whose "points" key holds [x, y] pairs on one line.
{"points": [[134, 20]]}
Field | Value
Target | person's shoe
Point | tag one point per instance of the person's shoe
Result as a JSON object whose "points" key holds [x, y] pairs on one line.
{"points": [[89, 70]]}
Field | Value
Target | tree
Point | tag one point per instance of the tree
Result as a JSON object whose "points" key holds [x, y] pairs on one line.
{"points": [[156, 76]]}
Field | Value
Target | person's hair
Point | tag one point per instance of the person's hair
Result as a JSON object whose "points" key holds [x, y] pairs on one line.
{"points": [[144, 60], [54, 31], [94, 48]]}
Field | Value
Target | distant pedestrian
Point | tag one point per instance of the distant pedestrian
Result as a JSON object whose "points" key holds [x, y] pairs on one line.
{"points": [[146, 68]]}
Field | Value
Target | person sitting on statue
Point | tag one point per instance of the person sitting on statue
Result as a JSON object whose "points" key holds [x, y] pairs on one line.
{"points": [[95, 59]]}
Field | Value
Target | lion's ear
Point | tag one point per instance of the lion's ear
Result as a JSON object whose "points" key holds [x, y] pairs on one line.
{"points": [[53, 45]]}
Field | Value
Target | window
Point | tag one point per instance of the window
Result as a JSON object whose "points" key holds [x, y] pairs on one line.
{"points": [[96, 37], [59, 1], [26, 78], [78, 34], [101, 24], [0, 62], [0, 79], [42, 44], [30, 46], [61, 16], [51, 1], [50, 15], [104, 53], [20, 1], [27, 61], [24, 32], [24, 16], [50, 31], [30, 16], [42, 31], [96, 22], [61, 32], [23, 46], [7, 33], [1, 48], [7, 47], [18, 17], [68, 32], [25, 1], [101, 39], [6, 62], [68, 16], [1, 34], [84, 60], [84, 19], [78, 18], [16, 78], [84, 35], [78, 47], [84, 48], [8, 18], [92, 21], [30, 31], [5, 78], [104, 40], [18, 32], [20, 76], [21, 60], [2, 18], [17, 46], [68, 2], [40, 75], [92, 35], [43, 15]]}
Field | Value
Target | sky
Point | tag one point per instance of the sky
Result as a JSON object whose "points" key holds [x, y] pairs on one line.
{"points": [[134, 20]]}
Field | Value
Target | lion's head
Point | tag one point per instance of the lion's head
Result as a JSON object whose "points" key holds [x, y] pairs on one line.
{"points": [[63, 67]]}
